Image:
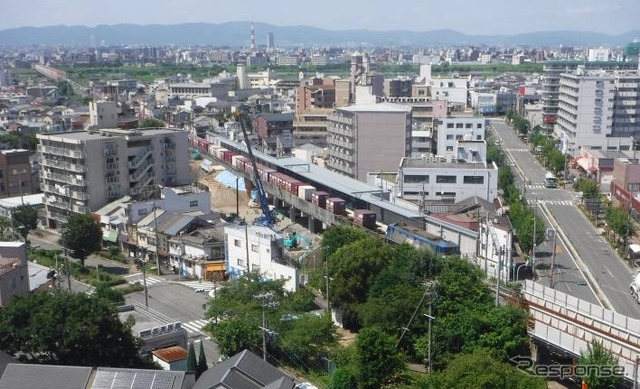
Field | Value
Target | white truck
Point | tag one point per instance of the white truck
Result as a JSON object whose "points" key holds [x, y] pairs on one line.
{"points": [[635, 286], [550, 180]]}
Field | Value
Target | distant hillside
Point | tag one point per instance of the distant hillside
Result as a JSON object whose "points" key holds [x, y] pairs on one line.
{"points": [[237, 34]]}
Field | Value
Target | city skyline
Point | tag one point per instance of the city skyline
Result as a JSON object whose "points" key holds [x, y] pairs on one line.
{"points": [[495, 17]]}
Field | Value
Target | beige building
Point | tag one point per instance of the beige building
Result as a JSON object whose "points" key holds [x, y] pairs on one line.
{"points": [[83, 171], [368, 138], [14, 273]]}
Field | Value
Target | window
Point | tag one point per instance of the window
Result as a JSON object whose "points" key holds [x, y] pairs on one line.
{"points": [[473, 179], [449, 136], [468, 125], [416, 179], [479, 125], [236, 242], [241, 262], [449, 148], [459, 125], [478, 137], [254, 248], [193, 203], [458, 137], [255, 267], [449, 125], [445, 179]]}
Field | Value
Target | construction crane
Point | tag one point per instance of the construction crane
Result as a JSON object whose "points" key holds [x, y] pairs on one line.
{"points": [[267, 219]]}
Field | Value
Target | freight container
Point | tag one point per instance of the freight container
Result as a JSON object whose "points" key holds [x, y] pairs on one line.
{"points": [[319, 199], [227, 155], [220, 153], [336, 205], [365, 218], [305, 192], [238, 161]]}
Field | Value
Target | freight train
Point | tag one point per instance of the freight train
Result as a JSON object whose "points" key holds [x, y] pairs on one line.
{"points": [[398, 233]]}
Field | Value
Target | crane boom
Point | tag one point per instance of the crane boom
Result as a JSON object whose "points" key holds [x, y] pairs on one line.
{"points": [[267, 218]]}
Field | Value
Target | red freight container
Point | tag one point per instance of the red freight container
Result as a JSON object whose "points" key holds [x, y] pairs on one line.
{"points": [[319, 199], [365, 218], [226, 156], [336, 205]]}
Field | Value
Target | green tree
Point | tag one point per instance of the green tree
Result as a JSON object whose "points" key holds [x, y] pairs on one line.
{"points": [[192, 364], [590, 188], [236, 334], [338, 236], [25, 219], [82, 236], [110, 294], [202, 361], [619, 222], [378, 362], [343, 378], [65, 88], [68, 329], [151, 123], [480, 370], [597, 355], [308, 337]]}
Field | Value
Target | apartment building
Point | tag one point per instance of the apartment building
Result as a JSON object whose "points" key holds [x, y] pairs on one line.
{"points": [[368, 138], [598, 110], [258, 249], [550, 79], [314, 102], [83, 171], [103, 114], [15, 173], [275, 131]]}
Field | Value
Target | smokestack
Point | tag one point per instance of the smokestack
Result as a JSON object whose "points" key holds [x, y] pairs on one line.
{"points": [[253, 38]]}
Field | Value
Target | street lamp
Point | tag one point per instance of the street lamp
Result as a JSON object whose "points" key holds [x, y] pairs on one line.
{"points": [[518, 270]]}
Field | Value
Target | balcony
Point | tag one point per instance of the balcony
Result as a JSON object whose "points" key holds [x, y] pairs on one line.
{"points": [[60, 151], [340, 119], [342, 131]]}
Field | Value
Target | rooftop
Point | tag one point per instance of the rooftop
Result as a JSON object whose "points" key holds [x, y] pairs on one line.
{"points": [[382, 107]]}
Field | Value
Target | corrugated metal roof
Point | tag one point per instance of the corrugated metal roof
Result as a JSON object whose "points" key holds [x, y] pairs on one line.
{"points": [[171, 354]]}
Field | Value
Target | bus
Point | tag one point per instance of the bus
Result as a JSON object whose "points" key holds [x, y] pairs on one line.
{"points": [[550, 180]]}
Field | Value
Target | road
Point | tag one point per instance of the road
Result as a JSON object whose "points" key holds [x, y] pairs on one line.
{"points": [[180, 303], [594, 261], [174, 299]]}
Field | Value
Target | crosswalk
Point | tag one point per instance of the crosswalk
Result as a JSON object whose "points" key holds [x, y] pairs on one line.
{"points": [[535, 186], [203, 286], [556, 202], [137, 277], [519, 150], [195, 326]]}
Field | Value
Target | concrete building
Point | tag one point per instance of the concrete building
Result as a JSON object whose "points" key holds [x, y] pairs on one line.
{"points": [[368, 138], [598, 110], [83, 171], [598, 55], [15, 173], [463, 175], [258, 249], [456, 128], [14, 272], [275, 130], [551, 83], [103, 114], [399, 87], [314, 102]]}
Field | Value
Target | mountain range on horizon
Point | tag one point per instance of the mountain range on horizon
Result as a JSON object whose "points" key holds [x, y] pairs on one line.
{"points": [[237, 34]]}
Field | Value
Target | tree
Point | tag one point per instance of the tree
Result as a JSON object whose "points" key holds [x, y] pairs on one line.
{"points": [[338, 236], [202, 362], [25, 219], [82, 236], [378, 362], [592, 360], [192, 363], [236, 334], [68, 329], [308, 337], [151, 123], [480, 370]]}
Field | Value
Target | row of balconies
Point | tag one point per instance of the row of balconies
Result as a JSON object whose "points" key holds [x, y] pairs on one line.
{"points": [[67, 179], [52, 162], [60, 151], [340, 167], [340, 119], [334, 141], [340, 131]]}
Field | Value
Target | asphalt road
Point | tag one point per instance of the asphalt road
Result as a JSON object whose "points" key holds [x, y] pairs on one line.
{"points": [[596, 263], [181, 303]]}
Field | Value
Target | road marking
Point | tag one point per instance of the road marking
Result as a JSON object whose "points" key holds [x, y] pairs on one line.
{"points": [[140, 279], [195, 326]]}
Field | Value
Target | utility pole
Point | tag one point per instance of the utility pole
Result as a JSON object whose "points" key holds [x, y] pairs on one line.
{"points": [[553, 255], [155, 227], [533, 240], [500, 251], [144, 281], [266, 303], [428, 291]]}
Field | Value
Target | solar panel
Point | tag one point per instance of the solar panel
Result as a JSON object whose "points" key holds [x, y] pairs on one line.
{"points": [[133, 380]]}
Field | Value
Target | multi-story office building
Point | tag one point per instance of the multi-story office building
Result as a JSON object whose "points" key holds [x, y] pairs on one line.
{"points": [[598, 110], [82, 171], [15, 173], [368, 138], [453, 179], [551, 83], [454, 129]]}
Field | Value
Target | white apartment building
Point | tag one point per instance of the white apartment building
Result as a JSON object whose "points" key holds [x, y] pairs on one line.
{"points": [[453, 179], [454, 129], [258, 249], [368, 138], [598, 110], [494, 255], [83, 171], [454, 90]]}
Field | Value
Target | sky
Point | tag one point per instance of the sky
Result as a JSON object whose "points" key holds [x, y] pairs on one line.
{"points": [[504, 17]]}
